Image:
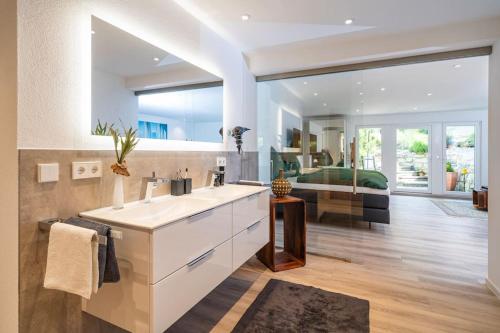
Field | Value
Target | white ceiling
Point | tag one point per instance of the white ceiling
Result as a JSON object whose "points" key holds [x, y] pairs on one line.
{"points": [[118, 52], [396, 89], [278, 22]]}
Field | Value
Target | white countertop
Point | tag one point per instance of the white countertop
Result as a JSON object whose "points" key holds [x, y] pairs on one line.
{"points": [[166, 209]]}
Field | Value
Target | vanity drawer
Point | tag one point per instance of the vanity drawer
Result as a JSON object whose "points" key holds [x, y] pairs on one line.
{"points": [[176, 244], [173, 296], [249, 210], [249, 241]]}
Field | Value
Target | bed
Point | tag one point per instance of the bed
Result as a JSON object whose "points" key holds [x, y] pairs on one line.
{"points": [[329, 190]]}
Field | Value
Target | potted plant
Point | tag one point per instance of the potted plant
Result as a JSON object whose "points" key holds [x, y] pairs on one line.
{"points": [[123, 146], [451, 177]]}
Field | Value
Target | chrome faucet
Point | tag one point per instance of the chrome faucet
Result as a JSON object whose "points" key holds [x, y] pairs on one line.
{"points": [[152, 183], [218, 177]]}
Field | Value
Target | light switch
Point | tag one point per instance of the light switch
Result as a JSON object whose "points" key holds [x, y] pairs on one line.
{"points": [[82, 170], [48, 172]]}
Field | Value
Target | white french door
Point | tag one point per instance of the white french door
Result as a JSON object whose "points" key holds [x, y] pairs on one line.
{"points": [[461, 146], [413, 159]]}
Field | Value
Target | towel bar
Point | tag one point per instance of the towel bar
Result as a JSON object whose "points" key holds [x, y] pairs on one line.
{"points": [[45, 225]]}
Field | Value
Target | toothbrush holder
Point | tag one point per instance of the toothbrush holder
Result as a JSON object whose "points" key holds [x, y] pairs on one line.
{"points": [[177, 187], [188, 185]]}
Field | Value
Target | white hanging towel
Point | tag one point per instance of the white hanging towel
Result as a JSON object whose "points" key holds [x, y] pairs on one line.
{"points": [[72, 261]]}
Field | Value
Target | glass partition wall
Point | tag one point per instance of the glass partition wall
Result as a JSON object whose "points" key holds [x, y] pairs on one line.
{"points": [[411, 134], [302, 129]]}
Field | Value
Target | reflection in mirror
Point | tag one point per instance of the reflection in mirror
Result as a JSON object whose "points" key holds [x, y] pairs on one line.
{"points": [[136, 84]]}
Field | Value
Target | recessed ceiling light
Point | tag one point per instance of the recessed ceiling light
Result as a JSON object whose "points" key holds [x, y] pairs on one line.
{"points": [[359, 82], [357, 110], [245, 17], [349, 21], [316, 94], [457, 66], [156, 59], [429, 94], [382, 89], [361, 94], [324, 104], [305, 82], [92, 32]]}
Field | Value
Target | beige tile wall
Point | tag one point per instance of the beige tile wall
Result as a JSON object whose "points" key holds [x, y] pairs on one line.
{"points": [[44, 310]]}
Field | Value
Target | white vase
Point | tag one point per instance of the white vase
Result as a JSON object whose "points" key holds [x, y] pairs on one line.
{"points": [[118, 200]]}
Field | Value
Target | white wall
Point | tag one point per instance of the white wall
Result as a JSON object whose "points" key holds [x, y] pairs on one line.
{"points": [[328, 51], [436, 122], [55, 67], [112, 102], [272, 99], [9, 224], [494, 177]]}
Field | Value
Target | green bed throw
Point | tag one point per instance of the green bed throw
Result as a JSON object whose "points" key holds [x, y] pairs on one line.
{"points": [[343, 176]]}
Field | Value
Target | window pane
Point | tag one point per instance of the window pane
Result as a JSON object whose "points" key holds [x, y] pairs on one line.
{"points": [[460, 157], [413, 159], [370, 148]]}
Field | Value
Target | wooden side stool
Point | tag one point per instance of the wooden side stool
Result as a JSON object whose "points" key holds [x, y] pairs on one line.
{"points": [[480, 198], [294, 238]]}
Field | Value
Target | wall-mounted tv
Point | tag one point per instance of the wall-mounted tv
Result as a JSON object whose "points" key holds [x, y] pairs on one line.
{"points": [[293, 138]]}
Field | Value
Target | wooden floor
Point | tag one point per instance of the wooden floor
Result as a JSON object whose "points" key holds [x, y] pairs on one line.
{"points": [[425, 272]]}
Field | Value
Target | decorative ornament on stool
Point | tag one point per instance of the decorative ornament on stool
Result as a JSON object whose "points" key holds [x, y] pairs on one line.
{"points": [[281, 187]]}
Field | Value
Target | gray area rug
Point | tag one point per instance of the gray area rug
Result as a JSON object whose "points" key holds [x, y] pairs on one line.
{"points": [[288, 307], [460, 208]]}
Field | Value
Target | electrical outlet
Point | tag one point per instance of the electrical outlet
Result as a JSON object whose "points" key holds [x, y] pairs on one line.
{"points": [[221, 161], [83, 170]]}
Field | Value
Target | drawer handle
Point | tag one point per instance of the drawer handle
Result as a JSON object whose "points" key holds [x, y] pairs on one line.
{"points": [[200, 258], [253, 225], [200, 215]]}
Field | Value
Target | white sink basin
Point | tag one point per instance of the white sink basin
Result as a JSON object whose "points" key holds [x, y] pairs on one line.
{"points": [[223, 192], [158, 209], [165, 209]]}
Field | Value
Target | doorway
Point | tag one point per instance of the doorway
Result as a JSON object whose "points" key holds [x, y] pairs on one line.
{"points": [[460, 153], [413, 163]]}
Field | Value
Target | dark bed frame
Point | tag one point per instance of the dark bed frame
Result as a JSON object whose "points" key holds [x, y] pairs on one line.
{"points": [[366, 207]]}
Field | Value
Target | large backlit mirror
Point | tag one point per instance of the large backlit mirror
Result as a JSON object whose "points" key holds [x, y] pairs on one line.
{"points": [[136, 84]]}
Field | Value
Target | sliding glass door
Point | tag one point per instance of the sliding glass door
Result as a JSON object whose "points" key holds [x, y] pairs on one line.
{"points": [[460, 153], [412, 159]]}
